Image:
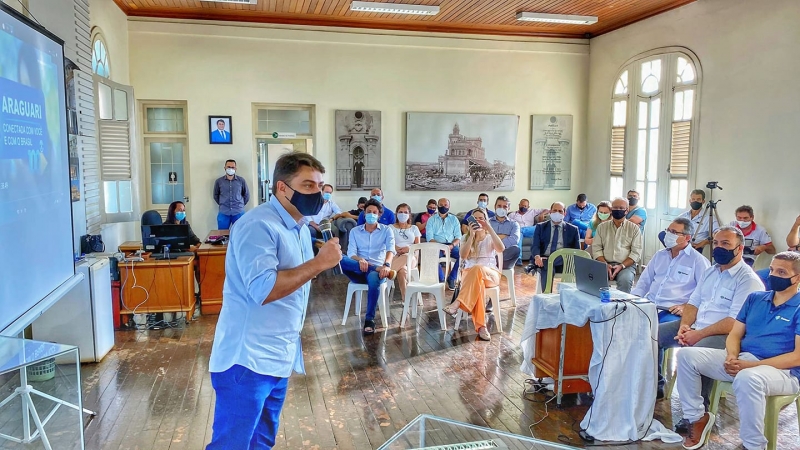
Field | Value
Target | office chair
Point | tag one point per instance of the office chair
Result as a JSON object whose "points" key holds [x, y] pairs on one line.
{"points": [[152, 217]]}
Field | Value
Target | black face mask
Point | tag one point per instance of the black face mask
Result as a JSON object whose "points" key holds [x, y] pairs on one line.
{"points": [[443, 209], [633, 201], [306, 204], [696, 205], [618, 213]]}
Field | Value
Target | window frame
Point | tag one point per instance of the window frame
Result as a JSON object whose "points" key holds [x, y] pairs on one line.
{"points": [[97, 35], [670, 85]]}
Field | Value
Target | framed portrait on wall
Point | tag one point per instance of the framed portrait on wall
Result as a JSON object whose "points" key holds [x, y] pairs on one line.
{"points": [[220, 130]]}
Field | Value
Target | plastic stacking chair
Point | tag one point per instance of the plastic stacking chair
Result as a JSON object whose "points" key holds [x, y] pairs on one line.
{"points": [[355, 289], [669, 354], [774, 405], [492, 294], [427, 279], [509, 275], [568, 273]]}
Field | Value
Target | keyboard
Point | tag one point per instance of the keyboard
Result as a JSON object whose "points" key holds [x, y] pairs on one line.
{"points": [[172, 255]]}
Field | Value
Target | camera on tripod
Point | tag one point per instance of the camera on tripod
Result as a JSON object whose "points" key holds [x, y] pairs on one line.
{"points": [[713, 185]]}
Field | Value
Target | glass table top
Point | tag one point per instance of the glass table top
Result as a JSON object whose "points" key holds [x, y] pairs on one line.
{"points": [[437, 433], [16, 353]]}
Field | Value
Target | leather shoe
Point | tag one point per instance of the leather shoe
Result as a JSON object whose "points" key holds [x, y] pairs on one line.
{"points": [[489, 306], [682, 426], [698, 432], [392, 275]]}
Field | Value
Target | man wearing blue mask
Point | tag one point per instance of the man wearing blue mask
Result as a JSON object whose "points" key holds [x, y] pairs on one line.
{"points": [[713, 306], [550, 236], [268, 271], [483, 203], [761, 358], [369, 258], [330, 211], [387, 216]]}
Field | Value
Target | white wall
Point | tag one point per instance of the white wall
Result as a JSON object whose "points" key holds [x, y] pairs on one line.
{"points": [[114, 23], [224, 69], [750, 104]]}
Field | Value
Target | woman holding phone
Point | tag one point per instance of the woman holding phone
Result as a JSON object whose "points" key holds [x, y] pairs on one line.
{"points": [[479, 250]]}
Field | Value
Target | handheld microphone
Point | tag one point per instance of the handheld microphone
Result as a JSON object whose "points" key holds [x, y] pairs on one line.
{"points": [[327, 234]]}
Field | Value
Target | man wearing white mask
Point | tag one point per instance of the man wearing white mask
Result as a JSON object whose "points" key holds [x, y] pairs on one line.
{"points": [[483, 203], [231, 194], [550, 236], [673, 273], [507, 230], [756, 238], [330, 211]]}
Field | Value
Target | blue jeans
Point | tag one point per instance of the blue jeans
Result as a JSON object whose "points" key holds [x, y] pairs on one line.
{"points": [[224, 221], [371, 278], [454, 256], [247, 409]]}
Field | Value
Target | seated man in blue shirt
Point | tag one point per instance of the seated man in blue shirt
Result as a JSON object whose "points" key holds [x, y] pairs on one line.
{"points": [[369, 258], [268, 272], [636, 213], [387, 217], [444, 229], [761, 358], [580, 214], [507, 230]]}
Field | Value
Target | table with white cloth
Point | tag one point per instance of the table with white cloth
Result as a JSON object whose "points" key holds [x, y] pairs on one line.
{"points": [[622, 370]]}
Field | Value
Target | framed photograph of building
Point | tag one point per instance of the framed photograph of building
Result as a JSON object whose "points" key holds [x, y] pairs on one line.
{"points": [[220, 129], [358, 149], [551, 152], [460, 152]]}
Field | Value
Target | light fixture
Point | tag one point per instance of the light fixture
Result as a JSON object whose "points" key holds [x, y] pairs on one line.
{"points": [[239, 2], [394, 8], [556, 18]]}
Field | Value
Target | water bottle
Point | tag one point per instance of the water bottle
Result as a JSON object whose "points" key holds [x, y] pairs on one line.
{"points": [[605, 295], [166, 252], [327, 234]]}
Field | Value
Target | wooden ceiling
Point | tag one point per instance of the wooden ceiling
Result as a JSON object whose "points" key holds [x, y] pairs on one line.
{"points": [[497, 17]]}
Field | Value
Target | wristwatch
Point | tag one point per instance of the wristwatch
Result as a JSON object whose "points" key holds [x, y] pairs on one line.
{"points": [[387, 264]]}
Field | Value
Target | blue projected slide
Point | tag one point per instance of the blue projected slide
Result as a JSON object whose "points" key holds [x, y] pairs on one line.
{"points": [[35, 208]]}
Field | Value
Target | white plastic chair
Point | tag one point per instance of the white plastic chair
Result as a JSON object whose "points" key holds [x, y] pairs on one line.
{"points": [[509, 275], [427, 278], [493, 293], [357, 290]]}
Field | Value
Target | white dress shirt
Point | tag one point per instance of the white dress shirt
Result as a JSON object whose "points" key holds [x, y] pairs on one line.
{"points": [[525, 220], [669, 281], [329, 209], [722, 294]]}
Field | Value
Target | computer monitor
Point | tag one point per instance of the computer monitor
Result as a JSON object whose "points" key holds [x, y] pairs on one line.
{"points": [[156, 237]]}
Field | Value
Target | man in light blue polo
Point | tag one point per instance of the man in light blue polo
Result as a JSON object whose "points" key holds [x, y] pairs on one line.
{"points": [[445, 228], [268, 269]]}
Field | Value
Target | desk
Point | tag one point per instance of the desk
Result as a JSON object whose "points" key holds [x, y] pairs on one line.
{"points": [[166, 285], [130, 246], [212, 273], [622, 368]]}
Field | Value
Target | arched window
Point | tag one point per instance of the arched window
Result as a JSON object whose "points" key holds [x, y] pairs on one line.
{"points": [[654, 105], [100, 59]]}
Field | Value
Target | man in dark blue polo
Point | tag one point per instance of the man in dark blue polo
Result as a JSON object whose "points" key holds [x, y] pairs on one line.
{"points": [[761, 358]]}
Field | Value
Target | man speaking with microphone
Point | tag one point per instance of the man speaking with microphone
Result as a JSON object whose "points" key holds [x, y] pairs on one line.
{"points": [[268, 269]]}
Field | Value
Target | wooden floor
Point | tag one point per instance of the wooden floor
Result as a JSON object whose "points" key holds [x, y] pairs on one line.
{"points": [[153, 390]]}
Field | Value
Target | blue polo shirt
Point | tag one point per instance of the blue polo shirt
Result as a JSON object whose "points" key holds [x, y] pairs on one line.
{"points": [[769, 330]]}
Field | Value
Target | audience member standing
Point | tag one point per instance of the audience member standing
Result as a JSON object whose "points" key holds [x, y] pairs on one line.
{"points": [[231, 194]]}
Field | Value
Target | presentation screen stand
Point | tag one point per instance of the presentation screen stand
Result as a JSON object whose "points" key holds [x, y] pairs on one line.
{"points": [[34, 359]]}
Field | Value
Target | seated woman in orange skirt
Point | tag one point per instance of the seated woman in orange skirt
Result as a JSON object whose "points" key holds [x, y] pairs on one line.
{"points": [[478, 251]]}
